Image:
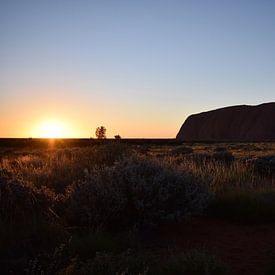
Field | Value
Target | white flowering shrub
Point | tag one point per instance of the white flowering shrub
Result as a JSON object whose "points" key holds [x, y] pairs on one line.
{"points": [[136, 191]]}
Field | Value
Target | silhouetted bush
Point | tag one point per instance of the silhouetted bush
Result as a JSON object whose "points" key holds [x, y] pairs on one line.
{"points": [[264, 165], [224, 156], [182, 150], [27, 223], [21, 202], [108, 154], [220, 149]]}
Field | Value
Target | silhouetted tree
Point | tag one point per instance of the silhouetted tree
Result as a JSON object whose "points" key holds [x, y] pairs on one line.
{"points": [[117, 137], [100, 132]]}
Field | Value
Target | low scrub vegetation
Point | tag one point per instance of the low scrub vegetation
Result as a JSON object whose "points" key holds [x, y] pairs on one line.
{"points": [[87, 210], [135, 191]]}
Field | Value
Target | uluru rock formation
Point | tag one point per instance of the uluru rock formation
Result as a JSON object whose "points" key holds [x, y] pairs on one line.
{"points": [[235, 123]]}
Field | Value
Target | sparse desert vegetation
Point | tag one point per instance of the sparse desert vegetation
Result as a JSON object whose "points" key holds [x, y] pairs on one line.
{"points": [[137, 137], [122, 208]]}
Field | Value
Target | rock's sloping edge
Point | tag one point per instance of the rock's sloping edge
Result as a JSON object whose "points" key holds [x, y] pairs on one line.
{"points": [[235, 123]]}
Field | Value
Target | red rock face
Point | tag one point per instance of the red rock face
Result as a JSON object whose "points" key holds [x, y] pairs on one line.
{"points": [[236, 123]]}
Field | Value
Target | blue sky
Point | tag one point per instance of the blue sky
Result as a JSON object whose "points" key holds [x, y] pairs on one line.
{"points": [[137, 67]]}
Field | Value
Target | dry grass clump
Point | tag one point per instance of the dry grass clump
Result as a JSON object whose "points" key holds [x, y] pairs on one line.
{"points": [[221, 176], [59, 168], [243, 190]]}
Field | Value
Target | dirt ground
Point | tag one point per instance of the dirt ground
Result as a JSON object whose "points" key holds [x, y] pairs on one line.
{"points": [[246, 249]]}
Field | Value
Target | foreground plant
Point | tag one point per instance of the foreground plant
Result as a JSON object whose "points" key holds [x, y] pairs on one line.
{"points": [[135, 191]]}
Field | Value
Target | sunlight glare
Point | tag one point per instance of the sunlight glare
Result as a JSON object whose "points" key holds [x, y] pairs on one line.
{"points": [[52, 129]]}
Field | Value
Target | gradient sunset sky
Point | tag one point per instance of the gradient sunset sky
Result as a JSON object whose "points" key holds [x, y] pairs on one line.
{"points": [[137, 67]]}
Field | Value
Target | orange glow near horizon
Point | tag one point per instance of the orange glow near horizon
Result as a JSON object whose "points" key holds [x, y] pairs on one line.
{"points": [[52, 128], [66, 127]]}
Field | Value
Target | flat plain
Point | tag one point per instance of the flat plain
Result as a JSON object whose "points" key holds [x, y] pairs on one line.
{"points": [[136, 207]]}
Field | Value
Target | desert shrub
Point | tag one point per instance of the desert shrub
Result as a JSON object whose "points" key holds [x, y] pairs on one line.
{"points": [[194, 262], [220, 149], [264, 166], [135, 191], [182, 150], [49, 263], [89, 253], [223, 156], [21, 242], [109, 153], [158, 193], [59, 168], [103, 263], [27, 223], [249, 147], [54, 169], [95, 201], [21, 202], [245, 205], [127, 263]]}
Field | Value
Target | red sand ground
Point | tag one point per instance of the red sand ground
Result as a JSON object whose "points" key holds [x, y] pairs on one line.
{"points": [[247, 249]]}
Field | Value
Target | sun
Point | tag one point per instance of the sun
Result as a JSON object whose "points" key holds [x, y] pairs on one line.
{"points": [[52, 129]]}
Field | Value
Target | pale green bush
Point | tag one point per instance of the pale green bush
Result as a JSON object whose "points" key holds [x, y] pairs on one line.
{"points": [[95, 201], [136, 191]]}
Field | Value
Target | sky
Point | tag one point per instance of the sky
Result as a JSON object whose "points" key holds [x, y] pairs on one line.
{"points": [[139, 68]]}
